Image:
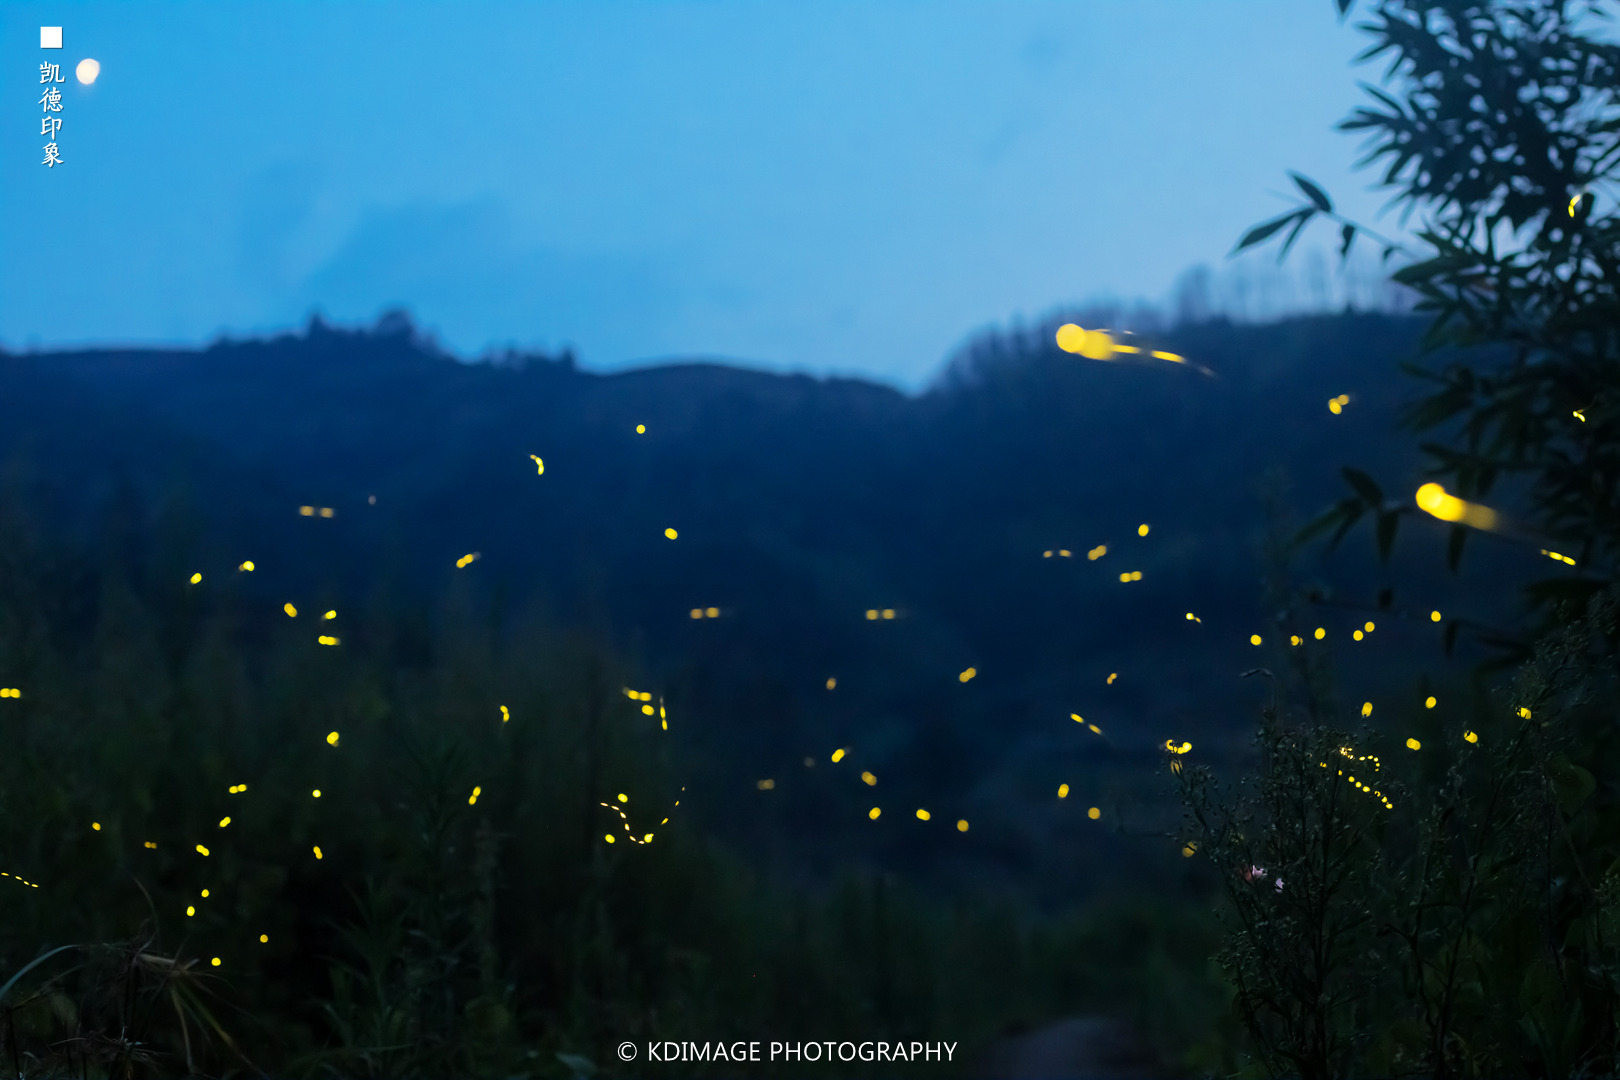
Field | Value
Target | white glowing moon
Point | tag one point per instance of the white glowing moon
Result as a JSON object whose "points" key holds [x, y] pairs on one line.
{"points": [[88, 70]]}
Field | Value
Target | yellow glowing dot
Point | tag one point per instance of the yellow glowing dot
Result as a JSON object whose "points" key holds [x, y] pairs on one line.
{"points": [[1357, 635], [332, 738], [1470, 736], [1095, 728], [1064, 553], [1063, 791], [1524, 714], [1136, 575], [623, 797], [1094, 813], [330, 615], [697, 613], [205, 894], [648, 709], [671, 533], [247, 566], [316, 793], [224, 821], [966, 675], [1366, 708], [150, 844], [326, 639], [713, 613], [641, 429], [307, 511], [318, 854], [962, 825], [190, 910], [1254, 639], [1429, 703], [1334, 406], [874, 812], [1111, 677], [1077, 718], [1141, 530], [201, 850], [1320, 633], [1046, 554], [923, 815], [1293, 639], [869, 778], [831, 683], [838, 755], [647, 839], [608, 838], [888, 613], [292, 612], [263, 938], [1434, 616], [539, 466], [1413, 744], [506, 714], [473, 798], [765, 785], [1125, 577], [1069, 337], [327, 511], [1579, 414], [871, 613], [196, 578]]}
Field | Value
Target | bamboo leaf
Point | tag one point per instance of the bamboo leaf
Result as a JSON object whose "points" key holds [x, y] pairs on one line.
{"points": [[1370, 493], [1313, 193], [1261, 233]]}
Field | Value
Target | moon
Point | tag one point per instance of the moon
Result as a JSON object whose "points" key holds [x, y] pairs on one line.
{"points": [[87, 70]]}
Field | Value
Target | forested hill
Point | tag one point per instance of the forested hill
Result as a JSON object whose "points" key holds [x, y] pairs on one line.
{"points": [[799, 506]]}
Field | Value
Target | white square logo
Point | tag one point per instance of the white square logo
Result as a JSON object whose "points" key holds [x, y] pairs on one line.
{"points": [[50, 37]]}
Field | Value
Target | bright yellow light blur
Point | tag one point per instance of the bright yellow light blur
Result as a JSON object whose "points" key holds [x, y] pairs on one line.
{"points": [[838, 755], [1254, 639], [327, 511], [202, 850], [506, 714], [713, 613], [1293, 639], [88, 70], [641, 429], [1366, 708], [1094, 813], [1063, 791], [831, 683], [888, 613], [609, 838], [1320, 633], [332, 738], [1470, 737], [871, 613], [671, 533], [330, 615], [318, 854], [195, 578], [1369, 628], [1434, 616], [968, 674], [923, 815], [307, 511], [247, 566], [325, 639], [1357, 635], [315, 794], [539, 466], [871, 781], [224, 821], [1111, 677], [765, 785], [1524, 714], [873, 813], [1334, 407], [292, 612], [962, 825], [263, 938], [190, 910], [648, 709], [1429, 703], [1413, 744], [1433, 499]]}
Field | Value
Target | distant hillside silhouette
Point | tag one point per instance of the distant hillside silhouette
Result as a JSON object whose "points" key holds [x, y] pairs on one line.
{"points": [[800, 504]]}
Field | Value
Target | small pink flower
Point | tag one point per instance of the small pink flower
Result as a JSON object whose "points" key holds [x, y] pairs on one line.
{"points": [[1279, 884], [1254, 872]]}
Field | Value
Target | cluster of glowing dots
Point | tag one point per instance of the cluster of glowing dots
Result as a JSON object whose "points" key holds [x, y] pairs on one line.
{"points": [[879, 613], [18, 880], [467, 560], [1176, 749], [506, 714], [1345, 752], [1098, 345], [326, 639], [1062, 553], [1579, 414], [1560, 558], [246, 567], [316, 511], [1366, 629], [705, 613], [1097, 552], [968, 674], [473, 798], [10, 691], [1336, 405], [1433, 499], [237, 788], [1112, 676], [1077, 718], [1193, 618], [539, 466], [1134, 575], [645, 838]]}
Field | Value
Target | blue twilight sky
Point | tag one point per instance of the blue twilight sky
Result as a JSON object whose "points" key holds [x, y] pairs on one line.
{"points": [[814, 185]]}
